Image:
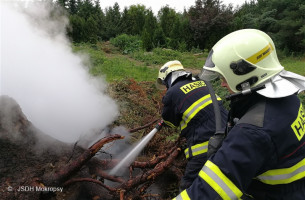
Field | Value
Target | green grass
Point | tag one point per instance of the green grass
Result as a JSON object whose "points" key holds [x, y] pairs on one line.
{"points": [[143, 66], [115, 68], [160, 56], [121, 68], [296, 65]]}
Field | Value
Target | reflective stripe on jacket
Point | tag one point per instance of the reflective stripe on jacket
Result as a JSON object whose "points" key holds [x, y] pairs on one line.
{"points": [[283, 176], [187, 105], [196, 149], [194, 109], [266, 147]]}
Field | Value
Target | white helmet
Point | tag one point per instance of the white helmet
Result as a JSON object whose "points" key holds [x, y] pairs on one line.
{"points": [[167, 68], [242, 56]]}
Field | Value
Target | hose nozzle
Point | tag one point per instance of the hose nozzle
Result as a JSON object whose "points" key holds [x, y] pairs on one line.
{"points": [[159, 125]]}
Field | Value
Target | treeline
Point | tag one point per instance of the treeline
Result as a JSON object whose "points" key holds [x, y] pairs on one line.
{"points": [[200, 26]]}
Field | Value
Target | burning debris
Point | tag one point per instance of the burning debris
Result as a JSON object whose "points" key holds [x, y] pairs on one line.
{"points": [[36, 166], [52, 86]]}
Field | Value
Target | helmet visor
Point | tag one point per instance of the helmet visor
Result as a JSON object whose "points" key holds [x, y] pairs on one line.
{"points": [[208, 75], [160, 85], [209, 62], [159, 81]]}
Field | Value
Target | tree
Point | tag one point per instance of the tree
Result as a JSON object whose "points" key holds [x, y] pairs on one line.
{"points": [[99, 17], [245, 16], [76, 31], [290, 19], [187, 34], [62, 3], [301, 31], [210, 20], [281, 19], [201, 26], [125, 22], [91, 28], [112, 22], [86, 8], [176, 35], [149, 30], [159, 37], [136, 19], [72, 6], [167, 18]]}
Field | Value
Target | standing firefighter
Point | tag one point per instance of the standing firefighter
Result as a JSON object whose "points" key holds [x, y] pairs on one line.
{"points": [[263, 154], [188, 105]]}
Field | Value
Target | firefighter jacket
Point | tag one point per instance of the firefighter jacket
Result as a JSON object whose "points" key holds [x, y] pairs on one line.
{"points": [[262, 157], [187, 105]]}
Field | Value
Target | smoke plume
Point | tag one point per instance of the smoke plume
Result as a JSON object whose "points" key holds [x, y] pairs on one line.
{"points": [[49, 81]]}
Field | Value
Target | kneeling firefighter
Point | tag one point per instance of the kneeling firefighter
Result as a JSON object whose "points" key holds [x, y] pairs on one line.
{"points": [[187, 105], [263, 155]]}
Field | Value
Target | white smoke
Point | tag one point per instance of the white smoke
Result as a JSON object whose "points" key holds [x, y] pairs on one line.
{"points": [[48, 81]]}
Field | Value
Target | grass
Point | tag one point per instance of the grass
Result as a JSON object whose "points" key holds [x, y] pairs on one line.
{"points": [[296, 65], [122, 68], [160, 56], [140, 65], [115, 67], [144, 66]]}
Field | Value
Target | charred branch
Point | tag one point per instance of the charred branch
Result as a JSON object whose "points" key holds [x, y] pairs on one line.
{"points": [[153, 162], [151, 174], [142, 127], [103, 174], [64, 173]]}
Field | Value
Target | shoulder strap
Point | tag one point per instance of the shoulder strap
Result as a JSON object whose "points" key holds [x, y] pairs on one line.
{"points": [[255, 115]]}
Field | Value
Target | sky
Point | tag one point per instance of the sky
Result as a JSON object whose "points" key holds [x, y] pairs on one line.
{"points": [[156, 5]]}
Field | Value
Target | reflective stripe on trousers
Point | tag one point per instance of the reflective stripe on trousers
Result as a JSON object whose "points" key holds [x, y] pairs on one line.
{"points": [[284, 176], [194, 109], [196, 149], [219, 182]]}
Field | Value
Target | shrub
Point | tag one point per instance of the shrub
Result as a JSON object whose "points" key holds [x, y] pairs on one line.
{"points": [[127, 43]]}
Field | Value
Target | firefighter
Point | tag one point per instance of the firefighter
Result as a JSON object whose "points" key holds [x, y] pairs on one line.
{"points": [[187, 105], [263, 154]]}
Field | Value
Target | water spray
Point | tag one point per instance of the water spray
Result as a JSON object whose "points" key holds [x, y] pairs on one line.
{"points": [[136, 150]]}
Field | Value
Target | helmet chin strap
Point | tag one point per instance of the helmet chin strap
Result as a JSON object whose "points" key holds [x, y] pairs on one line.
{"points": [[246, 90]]}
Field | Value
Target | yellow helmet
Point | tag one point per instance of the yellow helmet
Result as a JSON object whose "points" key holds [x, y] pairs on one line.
{"points": [[243, 56], [167, 68]]}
